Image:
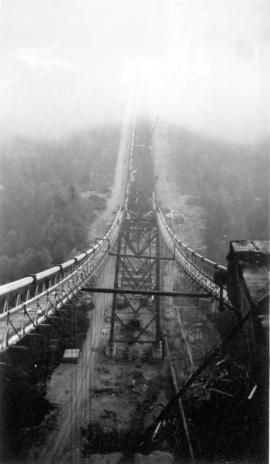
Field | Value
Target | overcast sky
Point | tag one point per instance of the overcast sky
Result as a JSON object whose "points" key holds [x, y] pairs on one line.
{"points": [[67, 64]]}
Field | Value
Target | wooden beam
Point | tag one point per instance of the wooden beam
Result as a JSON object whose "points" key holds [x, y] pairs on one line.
{"points": [[130, 291]]}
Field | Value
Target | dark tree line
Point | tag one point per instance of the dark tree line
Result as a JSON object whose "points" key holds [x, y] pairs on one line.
{"points": [[43, 215], [231, 183]]}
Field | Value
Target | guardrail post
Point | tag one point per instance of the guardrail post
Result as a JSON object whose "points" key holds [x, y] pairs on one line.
{"points": [[221, 304]]}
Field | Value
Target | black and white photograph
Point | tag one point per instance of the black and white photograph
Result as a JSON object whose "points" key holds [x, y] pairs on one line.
{"points": [[134, 231]]}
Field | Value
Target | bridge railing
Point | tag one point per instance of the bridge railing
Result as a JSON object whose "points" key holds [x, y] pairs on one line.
{"points": [[28, 302], [202, 270]]}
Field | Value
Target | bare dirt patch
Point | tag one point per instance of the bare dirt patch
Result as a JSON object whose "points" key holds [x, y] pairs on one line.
{"points": [[124, 399]]}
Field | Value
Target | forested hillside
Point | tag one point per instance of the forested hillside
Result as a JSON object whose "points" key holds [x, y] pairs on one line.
{"points": [[230, 182], [45, 210]]}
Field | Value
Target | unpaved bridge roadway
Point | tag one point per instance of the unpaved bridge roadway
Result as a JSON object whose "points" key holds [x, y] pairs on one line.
{"points": [[70, 385]]}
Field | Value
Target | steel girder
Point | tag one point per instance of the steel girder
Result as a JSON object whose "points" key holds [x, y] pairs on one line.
{"points": [[136, 319]]}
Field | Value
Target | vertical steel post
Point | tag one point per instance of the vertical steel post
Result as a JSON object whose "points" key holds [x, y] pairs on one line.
{"points": [[116, 276]]}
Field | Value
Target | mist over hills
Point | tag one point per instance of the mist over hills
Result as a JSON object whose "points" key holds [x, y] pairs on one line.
{"points": [[231, 183], [45, 210]]}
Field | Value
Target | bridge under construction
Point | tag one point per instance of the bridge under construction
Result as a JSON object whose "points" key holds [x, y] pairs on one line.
{"points": [[169, 342]]}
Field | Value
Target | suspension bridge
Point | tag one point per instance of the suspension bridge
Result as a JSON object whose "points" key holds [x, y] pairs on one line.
{"points": [[138, 264]]}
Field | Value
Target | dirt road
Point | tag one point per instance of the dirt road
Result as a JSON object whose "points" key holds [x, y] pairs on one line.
{"points": [[104, 218], [70, 383], [185, 220]]}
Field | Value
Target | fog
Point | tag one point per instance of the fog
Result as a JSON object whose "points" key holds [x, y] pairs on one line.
{"points": [[71, 64]]}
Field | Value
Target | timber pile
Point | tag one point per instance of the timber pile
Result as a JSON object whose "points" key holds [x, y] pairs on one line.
{"points": [[227, 413]]}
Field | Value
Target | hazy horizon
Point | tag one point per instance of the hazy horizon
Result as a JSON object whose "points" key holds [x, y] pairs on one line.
{"points": [[67, 65]]}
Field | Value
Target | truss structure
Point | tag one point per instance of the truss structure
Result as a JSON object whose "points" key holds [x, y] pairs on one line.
{"points": [[136, 318]]}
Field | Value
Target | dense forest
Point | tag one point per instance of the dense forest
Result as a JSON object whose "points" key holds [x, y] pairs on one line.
{"points": [[229, 181], [45, 211]]}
